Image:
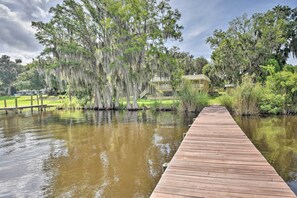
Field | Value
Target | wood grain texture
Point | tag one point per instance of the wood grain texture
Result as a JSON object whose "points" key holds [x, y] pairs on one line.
{"points": [[216, 159]]}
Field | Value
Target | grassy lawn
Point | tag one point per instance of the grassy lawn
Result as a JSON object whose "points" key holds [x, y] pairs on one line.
{"points": [[157, 102], [153, 103], [26, 101], [60, 101]]}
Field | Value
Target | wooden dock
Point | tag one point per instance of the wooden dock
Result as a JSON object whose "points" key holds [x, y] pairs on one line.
{"points": [[216, 159], [24, 107], [17, 108]]}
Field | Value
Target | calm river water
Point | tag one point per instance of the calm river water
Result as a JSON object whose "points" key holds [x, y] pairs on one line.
{"points": [[276, 139], [86, 154], [114, 154]]}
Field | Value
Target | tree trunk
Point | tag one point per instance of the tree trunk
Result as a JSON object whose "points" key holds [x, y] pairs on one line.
{"points": [[98, 101], [107, 100], [116, 100], [9, 90], [128, 100], [135, 97], [128, 91], [70, 94]]}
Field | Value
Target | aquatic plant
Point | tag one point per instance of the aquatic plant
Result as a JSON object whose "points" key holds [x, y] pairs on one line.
{"points": [[192, 99], [247, 97], [227, 101]]}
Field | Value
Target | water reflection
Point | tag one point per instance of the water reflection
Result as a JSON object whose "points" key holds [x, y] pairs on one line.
{"points": [[276, 139], [90, 154]]}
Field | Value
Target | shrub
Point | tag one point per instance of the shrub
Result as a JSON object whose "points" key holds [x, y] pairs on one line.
{"points": [[284, 83], [122, 106], [192, 99], [272, 103], [227, 101], [156, 105], [73, 104], [175, 104], [247, 97]]}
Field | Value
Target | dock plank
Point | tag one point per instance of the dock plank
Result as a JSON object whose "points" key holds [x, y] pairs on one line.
{"points": [[24, 107], [216, 159]]}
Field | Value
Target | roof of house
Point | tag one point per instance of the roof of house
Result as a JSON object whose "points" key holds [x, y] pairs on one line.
{"points": [[196, 77], [188, 77], [160, 79], [229, 85]]}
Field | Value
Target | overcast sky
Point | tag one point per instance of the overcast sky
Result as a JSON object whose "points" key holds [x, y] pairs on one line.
{"points": [[199, 18]]}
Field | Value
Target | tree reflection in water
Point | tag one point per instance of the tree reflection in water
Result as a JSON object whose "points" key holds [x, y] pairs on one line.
{"points": [[103, 153], [276, 138]]}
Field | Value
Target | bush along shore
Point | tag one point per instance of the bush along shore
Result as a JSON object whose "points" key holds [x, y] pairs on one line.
{"points": [[189, 100], [278, 96], [153, 104]]}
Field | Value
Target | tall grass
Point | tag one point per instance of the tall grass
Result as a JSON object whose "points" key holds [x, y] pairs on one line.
{"points": [[247, 97], [156, 105], [227, 101], [73, 104], [192, 99]]}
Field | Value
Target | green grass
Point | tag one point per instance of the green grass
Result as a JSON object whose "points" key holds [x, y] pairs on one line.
{"points": [[152, 101], [155, 103], [61, 100], [214, 100], [26, 101]]}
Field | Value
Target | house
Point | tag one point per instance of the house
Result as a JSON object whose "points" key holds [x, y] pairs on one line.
{"points": [[162, 86], [26, 92], [200, 82], [229, 88]]}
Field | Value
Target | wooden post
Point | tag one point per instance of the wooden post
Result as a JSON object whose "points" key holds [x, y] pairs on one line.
{"points": [[16, 105], [164, 166], [31, 103], [5, 105], [37, 102], [41, 101]]}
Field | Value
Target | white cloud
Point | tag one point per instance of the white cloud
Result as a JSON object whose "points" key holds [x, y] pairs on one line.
{"points": [[199, 18], [15, 17], [25, 56], [17, 37], [40, 14], [196, 31]]}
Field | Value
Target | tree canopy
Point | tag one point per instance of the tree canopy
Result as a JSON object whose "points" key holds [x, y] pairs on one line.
{"points": [[30, 79], [9, 71], [108, 47], [249, 43]]}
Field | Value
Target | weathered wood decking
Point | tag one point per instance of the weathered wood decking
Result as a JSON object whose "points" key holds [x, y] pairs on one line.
{"points": [[216, 159], [24, 107]]}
